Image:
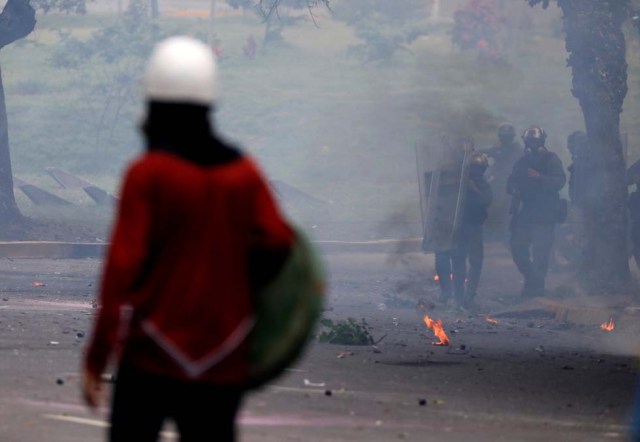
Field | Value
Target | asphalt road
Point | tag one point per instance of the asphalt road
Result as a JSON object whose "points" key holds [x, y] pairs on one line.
{"points": [[523, 379]]}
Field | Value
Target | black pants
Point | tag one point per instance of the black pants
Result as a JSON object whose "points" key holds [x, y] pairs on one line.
{"points": [[201, 411], [531, 245], [470, 247]]}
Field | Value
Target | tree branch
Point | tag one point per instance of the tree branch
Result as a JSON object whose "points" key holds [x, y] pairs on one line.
{"points": [[17, 20]]}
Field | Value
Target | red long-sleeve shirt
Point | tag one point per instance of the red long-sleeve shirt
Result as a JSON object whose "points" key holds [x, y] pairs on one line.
{"points": [[175, 293]]}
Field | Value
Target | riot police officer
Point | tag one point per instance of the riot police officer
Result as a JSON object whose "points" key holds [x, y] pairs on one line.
{"points": [[505, 153], [502, 157], [451, 266], [534, 184]]}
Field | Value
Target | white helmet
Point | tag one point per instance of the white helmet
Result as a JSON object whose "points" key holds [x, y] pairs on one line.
{"points": [[181, 70]]}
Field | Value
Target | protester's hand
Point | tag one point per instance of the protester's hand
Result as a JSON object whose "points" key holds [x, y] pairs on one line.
{"points": [[92, 389], [532, 173]]}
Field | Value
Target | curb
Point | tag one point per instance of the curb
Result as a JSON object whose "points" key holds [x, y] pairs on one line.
{"points": [[51, 250], [71, 250]]}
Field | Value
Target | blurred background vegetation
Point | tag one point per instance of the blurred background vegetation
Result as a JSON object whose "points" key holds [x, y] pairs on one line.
{"points": [[331, 102]]}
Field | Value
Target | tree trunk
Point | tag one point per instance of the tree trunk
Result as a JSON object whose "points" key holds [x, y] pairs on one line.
{"points": [[17, 20], [267, 30], [155, 9], [596, 44], [9, 212], [435, 11], [212, 22]]}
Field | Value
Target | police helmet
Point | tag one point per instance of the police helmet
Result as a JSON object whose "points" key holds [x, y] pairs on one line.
{"points": [[181, 70], [478, 163], [506, 130], [534, 137]]}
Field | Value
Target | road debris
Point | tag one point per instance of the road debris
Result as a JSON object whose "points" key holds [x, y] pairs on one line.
{"points": [[458, 350], [308, 383], [490, 320], [349, 332], [344, 354]]}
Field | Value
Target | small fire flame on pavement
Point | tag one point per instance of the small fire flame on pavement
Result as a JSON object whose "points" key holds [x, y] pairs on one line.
{"points": [[608, 326], [490, 320], [438, 330], [436, 277], [38, 284]]}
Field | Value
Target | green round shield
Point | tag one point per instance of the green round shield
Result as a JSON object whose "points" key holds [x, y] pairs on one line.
{"points": [[286, 312]]}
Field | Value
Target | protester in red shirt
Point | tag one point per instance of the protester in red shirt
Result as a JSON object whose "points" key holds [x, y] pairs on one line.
{"points": [[197, 233]]}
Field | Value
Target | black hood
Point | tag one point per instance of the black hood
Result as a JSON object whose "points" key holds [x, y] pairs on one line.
{"points": [[185, 130]]}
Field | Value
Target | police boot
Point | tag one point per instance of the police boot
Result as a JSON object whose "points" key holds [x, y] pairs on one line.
{"points": [[444, 297], [470, 302], [458, 307]]}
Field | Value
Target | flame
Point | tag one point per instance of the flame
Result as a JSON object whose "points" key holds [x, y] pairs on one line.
{"points": [[436, 277], [438, 330], [608, 326], [490, 320], [38, 284]]}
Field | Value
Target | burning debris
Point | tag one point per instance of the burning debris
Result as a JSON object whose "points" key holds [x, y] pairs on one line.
{"points": [[436, 277], [490, 320], [438, 331], [608, 326]]}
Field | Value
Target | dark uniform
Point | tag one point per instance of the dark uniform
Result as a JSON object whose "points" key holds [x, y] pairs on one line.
{"points": [[633, 177], [502, 157], [451, 266], [536, 179]]}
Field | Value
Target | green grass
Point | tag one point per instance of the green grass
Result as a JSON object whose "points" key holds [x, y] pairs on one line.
{"points": [[314, 118]]}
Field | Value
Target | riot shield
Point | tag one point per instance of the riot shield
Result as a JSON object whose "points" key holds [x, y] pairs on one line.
{"points": [[442, 172]]}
